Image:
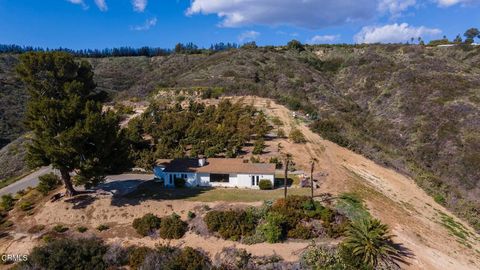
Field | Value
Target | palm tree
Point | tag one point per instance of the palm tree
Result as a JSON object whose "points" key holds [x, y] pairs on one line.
{"points": [[312, 163], [287, 158], [370, 243]]}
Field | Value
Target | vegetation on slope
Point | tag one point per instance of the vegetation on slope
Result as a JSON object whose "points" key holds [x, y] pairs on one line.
{"points": [[414, 108]]}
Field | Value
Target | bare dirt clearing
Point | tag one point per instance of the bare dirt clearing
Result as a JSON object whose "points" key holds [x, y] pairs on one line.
{"points": [[437, 239]]}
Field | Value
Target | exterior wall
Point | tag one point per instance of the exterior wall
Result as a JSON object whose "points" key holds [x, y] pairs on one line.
{"points": [[245, 180], [203, 179], [191, 179]]}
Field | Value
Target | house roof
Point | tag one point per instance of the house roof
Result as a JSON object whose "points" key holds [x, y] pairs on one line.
{"points": [[216, 165]]}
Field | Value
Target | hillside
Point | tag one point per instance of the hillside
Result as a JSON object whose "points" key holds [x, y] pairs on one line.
{"points": [[428, 234], [413, 108]]}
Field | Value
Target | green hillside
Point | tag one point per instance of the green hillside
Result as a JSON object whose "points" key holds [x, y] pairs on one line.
{"points": [[412, 108]]}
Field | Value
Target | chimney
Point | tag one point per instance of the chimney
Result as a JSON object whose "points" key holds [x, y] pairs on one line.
{"points": [[201, 162]]}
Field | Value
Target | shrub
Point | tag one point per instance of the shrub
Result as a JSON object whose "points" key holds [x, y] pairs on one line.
{"points": [[146, 224], [232, 224], [60, 228], [67, 254], [82, 229], [297, 136], [179, 182], [273, 228], [265, 184], [258, 147], [191, 215], [7, 202], [48, 182], [280, 133], [36, 228], [137, 256], [165, 257], [116, 255], [300, 232], [26, 205], [321, 257], [102, 227], [172, 227]]}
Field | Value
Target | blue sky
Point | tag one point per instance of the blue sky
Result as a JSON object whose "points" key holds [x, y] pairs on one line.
{"points": [[79, 24]]}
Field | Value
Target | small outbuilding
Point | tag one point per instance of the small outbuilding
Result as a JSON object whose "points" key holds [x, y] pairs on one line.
{"points": [[224, 172]]}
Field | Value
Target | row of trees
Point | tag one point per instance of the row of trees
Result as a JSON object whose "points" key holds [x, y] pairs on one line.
{"points": [[188, 48]]}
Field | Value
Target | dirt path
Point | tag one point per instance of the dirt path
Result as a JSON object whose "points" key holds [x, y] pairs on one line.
{"points": [[414, 217]]}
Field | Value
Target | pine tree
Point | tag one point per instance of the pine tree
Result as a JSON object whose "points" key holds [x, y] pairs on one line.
{"points": [[71, 132]]}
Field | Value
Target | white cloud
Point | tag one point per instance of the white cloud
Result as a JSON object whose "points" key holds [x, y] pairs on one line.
{"points": [[248, 36], [318, 39], [448, 3], [139, 5], [305, 13], [395, 7], [101, 4], [79, 2], [146, 26], [393, 33]]}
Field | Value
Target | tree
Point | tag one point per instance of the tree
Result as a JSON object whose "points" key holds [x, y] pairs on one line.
{"points": [[471, 34], [71, 132], [287, 158], [369, 242], [312, 166], [295, 45], [458, 39], [258, 146]]}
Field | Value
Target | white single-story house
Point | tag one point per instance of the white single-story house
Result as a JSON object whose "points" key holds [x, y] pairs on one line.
{"points": [[224, 172]]}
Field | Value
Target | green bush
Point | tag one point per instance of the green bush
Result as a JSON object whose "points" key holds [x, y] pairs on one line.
{"points": [[48, 182], [146, 224], [7, 202], [102, 227], [321, 257], [172, 227], [300, 232], [136, 256], [258, 146], [82, 229], [273, 229], [59, 228], [264, 184], [26, 205], [297, 136], [179, 182], [231, 224], [67, 254]]}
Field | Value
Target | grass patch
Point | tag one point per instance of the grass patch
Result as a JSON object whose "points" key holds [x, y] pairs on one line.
{"points": [[152, 190], [352, 206], [455, 228]]}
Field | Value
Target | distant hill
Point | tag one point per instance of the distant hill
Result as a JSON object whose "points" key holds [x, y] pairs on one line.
{"points": [[410, 107]]}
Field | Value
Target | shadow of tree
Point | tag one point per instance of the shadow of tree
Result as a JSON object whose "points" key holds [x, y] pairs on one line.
{"points": [[151, 190], [81, 201], [402, 256]]}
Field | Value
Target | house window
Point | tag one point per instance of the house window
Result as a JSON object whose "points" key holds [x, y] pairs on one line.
{"points": [[253, 180], [222, 178], [258, 177], [171, 179]]}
